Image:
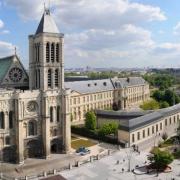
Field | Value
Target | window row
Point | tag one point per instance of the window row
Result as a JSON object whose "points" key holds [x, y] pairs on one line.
{"points": [[52, 75], [78, 100], [10, 119], [52, 52], [55, 114]]}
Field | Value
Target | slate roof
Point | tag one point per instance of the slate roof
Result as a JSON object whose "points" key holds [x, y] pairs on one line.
{"points": [[90, 86], [135, 123], [5, 64], [127, 82], [47, 24]]}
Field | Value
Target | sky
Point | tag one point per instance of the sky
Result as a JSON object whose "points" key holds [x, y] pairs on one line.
{"points": [[99, 33]]}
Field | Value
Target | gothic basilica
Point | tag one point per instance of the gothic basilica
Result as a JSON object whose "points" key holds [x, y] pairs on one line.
{"points": [[35, 122]]}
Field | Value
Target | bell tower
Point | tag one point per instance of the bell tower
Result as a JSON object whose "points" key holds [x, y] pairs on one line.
{"points": [[46, 61]]}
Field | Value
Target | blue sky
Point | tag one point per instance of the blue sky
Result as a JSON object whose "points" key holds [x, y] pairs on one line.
{"points": [[103, 33]]}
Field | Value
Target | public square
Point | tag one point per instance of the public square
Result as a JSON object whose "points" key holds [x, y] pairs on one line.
{"points": [[109, 168]]}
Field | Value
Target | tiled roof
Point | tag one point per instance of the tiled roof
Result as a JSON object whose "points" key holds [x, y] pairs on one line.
{"points": [[47, 24], [90, 86], [127, 82], [5, 64]]}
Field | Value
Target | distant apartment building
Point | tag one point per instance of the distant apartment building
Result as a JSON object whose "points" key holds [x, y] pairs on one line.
{"points": [[116, 93]]}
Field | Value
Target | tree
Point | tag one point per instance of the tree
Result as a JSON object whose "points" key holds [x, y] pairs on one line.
{"points": [[160, 159], [164, 104], [158, 95], [90, 121], [150, 105], [107, 129]]}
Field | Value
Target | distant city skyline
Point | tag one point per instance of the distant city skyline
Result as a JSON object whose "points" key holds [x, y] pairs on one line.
{"points": [[103, 33]]}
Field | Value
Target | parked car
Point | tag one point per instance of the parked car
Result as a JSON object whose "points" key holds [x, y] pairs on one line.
{"points": [[83, 151]]}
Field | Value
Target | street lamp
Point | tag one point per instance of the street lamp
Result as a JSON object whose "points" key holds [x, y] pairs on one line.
{"points": [[129, 152]]}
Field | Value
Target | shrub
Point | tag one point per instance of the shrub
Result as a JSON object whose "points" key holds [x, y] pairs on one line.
{"points": [[90, 121]]}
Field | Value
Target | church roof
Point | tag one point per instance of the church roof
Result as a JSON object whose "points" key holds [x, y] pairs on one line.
{"points": [[5, 64], [47, 24]]}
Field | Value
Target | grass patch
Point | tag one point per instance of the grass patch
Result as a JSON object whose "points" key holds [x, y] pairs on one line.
{"points": [[82, 142], [74, 138]]}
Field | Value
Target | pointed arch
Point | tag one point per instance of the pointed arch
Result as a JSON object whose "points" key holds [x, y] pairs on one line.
{"points": [[47, 52], [2, 123], [49, 78], [51, 114]]}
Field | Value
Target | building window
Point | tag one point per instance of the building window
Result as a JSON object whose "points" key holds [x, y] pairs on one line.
{"points": [[52, 52], [165, 122], [143, 133], [170, 120], [138, 135], [47, 52], [174, 119], [54, 132], [10, 120], [157, 129], [133, 139], [58, 113], [56, 78], [2, 120], [51, 114], [32, 129], [39, 78], [148, 131], [49, 78], [57, 52], [160, 126], [152, 129], [7, 140]]}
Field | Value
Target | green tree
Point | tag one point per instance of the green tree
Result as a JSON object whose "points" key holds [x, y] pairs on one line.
{"points": [[171, 97], [160, 159], [158, 95], [90, 120], [150, 105], [164, 104], [109, 128]]}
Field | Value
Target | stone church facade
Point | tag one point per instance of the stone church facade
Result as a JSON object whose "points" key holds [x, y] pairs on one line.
{"points": [[35, 122]]}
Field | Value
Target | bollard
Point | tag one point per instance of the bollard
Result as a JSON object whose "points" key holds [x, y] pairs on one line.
{"points": [[70, 166], [54, 171], [98, 157], [1, 175], [45, 174], [91, 159], [77, 164]]}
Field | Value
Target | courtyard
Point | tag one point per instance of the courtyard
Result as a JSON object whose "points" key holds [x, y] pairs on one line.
{"points": [[115, 167]]}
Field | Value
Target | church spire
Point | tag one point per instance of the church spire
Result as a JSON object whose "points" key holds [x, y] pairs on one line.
{"points": [[47, 23]]}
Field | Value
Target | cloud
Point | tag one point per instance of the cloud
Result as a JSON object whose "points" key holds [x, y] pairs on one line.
{"points": [[6, 48], [176, 29], [1, 24]]}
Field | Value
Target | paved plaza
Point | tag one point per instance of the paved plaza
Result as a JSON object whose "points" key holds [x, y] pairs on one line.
{"points": [[109, 168]]}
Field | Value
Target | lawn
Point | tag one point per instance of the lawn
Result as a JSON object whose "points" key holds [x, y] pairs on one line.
{"points": [[81, 142]]}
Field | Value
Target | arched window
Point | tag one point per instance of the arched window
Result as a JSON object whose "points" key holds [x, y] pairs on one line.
{"points": [[51, 114], [52, 52], [58, 113], [10, 120], [57, 52], [47, 52], [49, 78], [56, 78], [2, 120], [38, 54], [36, 75], [32, 128]]}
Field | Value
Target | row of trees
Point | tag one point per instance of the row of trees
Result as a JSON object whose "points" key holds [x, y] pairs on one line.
{"points": [[161, 81]]}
